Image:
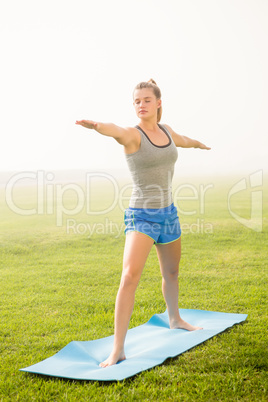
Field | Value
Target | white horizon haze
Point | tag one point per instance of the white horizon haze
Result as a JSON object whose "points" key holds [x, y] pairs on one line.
{"points": [[64, 61]]}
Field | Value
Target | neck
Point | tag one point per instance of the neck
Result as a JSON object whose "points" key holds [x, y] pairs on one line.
{"points": [[148, 125]]}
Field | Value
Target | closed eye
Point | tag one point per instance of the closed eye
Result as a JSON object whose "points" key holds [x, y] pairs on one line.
{"points": [[147, 99]]}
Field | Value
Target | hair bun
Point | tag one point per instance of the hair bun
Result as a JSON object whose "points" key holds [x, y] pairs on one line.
{"points": [[152, 81]]}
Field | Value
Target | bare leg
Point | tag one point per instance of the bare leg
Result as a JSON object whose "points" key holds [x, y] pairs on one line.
{"points": [[169, 258], [137, 249]]}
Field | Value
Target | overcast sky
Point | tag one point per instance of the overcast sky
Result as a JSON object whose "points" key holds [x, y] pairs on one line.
{"points": [[65, 60]]}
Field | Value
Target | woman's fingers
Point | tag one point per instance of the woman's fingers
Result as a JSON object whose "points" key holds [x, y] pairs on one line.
{"points": [[86, 123], [203, 146]]}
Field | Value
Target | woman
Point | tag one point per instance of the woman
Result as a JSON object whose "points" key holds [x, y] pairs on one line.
{"points": [[151, 218]]}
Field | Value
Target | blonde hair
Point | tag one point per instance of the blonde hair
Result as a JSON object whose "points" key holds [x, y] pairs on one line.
{"points": [[156, 90]]}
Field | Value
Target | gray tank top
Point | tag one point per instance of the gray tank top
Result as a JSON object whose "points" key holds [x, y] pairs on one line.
{"points": [[152, 169]]}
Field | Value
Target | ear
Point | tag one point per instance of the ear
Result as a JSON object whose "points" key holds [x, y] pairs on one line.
{"points": [[159, 103]]}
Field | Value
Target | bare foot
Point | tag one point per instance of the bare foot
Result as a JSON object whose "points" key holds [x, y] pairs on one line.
{"points": [[181, 324], [113, 359]]}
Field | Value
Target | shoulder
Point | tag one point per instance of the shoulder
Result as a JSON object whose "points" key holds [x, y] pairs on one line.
{"points": [[169, 130], [178, 139], [132, 139], [132, 130], [133, 133], [126, 135], [167, 127]]}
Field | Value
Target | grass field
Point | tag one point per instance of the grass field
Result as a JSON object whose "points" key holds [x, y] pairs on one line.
{"points": [[58, 284]]}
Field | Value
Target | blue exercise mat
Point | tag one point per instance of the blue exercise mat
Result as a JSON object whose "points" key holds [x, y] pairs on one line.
{"points": [[146, 346]]}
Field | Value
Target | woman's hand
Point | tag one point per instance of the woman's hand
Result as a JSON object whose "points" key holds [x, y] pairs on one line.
{"points": [[203, 146], [87, 123]]}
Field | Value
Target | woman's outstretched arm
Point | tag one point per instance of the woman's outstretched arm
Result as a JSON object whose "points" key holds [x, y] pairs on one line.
{"points": [[108, 129], [123, 136], [185, 142]]}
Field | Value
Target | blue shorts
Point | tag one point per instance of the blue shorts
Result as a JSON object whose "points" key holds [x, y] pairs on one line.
{"points": [[161, 224]]}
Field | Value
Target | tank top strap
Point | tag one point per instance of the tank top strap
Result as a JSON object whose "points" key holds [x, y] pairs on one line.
{"points": [[144, 135], [145, 144], [163, 128]]}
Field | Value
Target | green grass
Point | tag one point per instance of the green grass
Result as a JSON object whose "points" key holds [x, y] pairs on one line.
{"points": [[56, 287]]}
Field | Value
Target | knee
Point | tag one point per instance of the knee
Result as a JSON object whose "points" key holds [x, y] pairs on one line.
{"points": [[171, 274], [129, 279]]}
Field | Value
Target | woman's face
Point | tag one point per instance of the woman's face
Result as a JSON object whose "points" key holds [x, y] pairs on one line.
{"points": [[146, 103]]}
